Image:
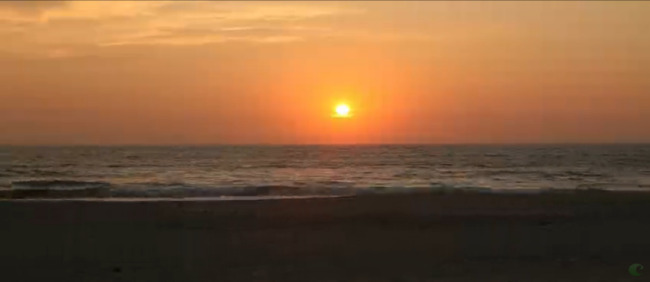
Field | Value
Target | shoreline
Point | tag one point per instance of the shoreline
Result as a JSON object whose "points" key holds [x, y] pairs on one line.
{"points": [[409, 237]]}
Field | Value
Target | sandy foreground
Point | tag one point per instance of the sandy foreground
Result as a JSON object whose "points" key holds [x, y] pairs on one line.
{"points": [[586, 236]]}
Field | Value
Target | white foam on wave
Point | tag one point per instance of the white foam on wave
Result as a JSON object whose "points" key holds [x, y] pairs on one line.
{"points": [[186, 199]]}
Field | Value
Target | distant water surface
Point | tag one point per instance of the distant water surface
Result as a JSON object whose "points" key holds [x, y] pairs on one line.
{"points": [[323, 170]]}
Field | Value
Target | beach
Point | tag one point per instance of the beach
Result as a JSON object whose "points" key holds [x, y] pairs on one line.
{"points": [[461, 236]]}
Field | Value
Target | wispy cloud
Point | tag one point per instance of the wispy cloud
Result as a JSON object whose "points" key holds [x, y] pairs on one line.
{"points": [[40, 27], [30, 8]]}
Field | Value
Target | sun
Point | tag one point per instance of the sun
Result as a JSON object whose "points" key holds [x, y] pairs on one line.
{"points": [[342, 110]]}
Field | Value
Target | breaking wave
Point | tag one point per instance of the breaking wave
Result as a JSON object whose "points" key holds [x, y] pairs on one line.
{"points": [[95, 189], [69, 189], [57, 189], [58, 185]]}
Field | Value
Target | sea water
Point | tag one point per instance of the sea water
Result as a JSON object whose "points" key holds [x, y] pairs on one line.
{"points": [[222, 171]]}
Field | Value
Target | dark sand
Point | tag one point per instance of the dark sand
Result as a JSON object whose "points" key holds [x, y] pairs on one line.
{"points": [[586, 236]]}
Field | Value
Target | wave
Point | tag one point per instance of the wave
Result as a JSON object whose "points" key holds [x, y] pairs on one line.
{"points": [[179, 190], [76, 189], [57, 185], [58, 189], [94, 189], [10, 172], [540, 173]]}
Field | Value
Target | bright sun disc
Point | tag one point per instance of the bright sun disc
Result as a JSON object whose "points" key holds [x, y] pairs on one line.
{"points": [[342, 110]]}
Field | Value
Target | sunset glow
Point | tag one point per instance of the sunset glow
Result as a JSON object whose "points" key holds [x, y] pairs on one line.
{"points": [[213, 72]]}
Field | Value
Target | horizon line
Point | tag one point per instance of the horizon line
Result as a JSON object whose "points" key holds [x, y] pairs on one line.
{"points": [[327, 144]]}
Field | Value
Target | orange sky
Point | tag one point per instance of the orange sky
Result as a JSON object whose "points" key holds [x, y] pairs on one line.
{"points": [[271, 72]]}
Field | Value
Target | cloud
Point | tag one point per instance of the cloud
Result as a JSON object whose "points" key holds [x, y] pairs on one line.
{"points": [[31, 7], [39, 27], [158, 23], [65, 29]]}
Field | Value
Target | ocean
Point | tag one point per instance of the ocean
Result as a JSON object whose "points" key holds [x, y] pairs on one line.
{"points": [[284, 171]]}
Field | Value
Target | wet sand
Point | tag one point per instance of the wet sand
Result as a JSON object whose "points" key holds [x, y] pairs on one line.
{"points": [[586, 236]]}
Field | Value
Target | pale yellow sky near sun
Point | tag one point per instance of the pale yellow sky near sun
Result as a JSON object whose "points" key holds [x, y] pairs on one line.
{"points": [[150, 72]]}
